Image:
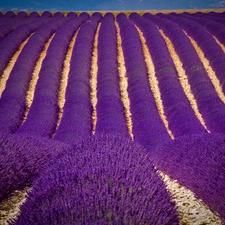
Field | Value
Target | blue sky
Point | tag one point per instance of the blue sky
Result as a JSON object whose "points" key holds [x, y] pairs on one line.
{"points": [[98, 5]]}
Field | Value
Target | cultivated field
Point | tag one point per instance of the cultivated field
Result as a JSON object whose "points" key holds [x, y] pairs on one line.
{"points": [[125, 113]]}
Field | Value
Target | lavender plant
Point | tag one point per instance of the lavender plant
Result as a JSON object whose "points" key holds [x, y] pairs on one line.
{"points": [[209, 104], [177, 108], [23, 158], [11, 42], [110, 110], [147, 124], [13, 99], [76, 120], [198, 163], [211, 49], [43, 113], [104, 180]]}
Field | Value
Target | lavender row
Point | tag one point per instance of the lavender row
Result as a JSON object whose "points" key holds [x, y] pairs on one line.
{"points": [[110, 110], [148, 128], [123, 189], [209, 104], [76, 120], [10, 44], [43, 113], [213, 27], [206, 42], [9, 24], [216, 17], [197, 162], [23, 159], [178, 111], [13, 98]]}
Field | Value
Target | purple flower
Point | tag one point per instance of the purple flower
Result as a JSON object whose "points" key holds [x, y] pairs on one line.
{"points": [[23, 158], [104, 180], [198, 163]]}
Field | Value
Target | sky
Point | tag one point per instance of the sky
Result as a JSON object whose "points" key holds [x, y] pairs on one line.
{"points": [[108, 5]]}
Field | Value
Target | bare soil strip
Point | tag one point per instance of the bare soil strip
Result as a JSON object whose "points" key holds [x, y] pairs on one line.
{"points": [[93, 79], [64, 79], [6, 73], [192, 211], [219, 43], [123, 82], [183, 79], [34, 79], [215, 81], [153, 82], [10, 207]]}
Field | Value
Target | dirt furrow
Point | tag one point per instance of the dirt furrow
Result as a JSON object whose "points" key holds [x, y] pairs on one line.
{"points": [[183, 79]]}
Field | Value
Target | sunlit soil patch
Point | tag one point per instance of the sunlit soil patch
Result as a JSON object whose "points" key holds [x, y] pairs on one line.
{"points": [[6, 73], [10, 207], [123, 82], [34, 79], [192, 211], [64, 79], [183, 79], [154, 82], [93, 79]]}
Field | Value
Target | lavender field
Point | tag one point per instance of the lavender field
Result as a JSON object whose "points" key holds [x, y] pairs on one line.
{"points": [[96, 110]]}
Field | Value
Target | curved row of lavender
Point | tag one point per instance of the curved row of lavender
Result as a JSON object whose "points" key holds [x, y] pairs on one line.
{"points": [[206, 42], [178, 111], [108, 171], [196, 161], [109, 108], [13, 99], [209, 104], [147, 124], [76, 120], [23, 158], [10, 44], [126, 189], [43, 113], [105, 179], [214, 27], [8, 24]]}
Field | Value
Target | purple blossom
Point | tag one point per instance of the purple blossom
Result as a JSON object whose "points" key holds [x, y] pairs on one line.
{"points": [[109, 108], [198, 163], [43, 113], [209, 104], [206, 42], [76, 120], [23, 158], [12, 41], [123, 189], [147, 125]]}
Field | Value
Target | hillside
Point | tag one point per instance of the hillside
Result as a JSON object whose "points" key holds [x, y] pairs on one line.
{"points": [[155, 79]]}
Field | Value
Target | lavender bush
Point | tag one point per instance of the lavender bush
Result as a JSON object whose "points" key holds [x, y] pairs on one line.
{"points": [[177, 108], [43, 113], [123, 189], [23, 158], [20, 76], [147, 125], [211, 49], [110, 110], [198, 163], [11, 42], [209, 104], [76, 120]]}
